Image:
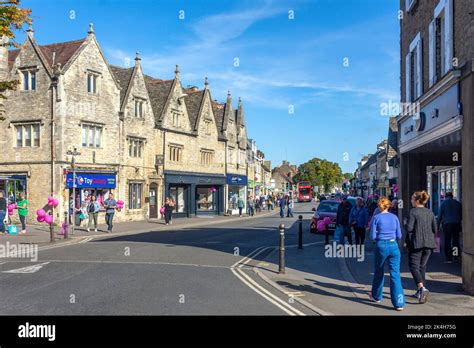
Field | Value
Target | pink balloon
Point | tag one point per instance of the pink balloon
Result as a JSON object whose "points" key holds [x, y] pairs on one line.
{"points": [[320, 226], [48, 219], [120, 202], [327, 220], [41, 213], [55, 202], [10, 212], [40, 218]]}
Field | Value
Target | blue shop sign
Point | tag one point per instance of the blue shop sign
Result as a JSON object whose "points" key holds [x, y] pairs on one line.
{"points": [[236, 179], [92, 180]]}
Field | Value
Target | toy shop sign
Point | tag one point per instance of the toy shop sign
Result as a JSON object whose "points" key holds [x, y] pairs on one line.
{"points": [[92, 180]]}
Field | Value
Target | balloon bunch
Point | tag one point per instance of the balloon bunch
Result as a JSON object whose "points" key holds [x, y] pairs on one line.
{"points": [[213, 189], [42, 215], [11, 207], [321, 226], [120, 204]]}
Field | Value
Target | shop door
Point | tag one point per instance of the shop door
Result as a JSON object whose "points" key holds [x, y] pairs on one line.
{"points": [[153, 204], [180, 196]]}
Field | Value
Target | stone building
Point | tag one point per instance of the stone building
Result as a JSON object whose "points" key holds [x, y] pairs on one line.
{"points": [[140, 137], [436, 126]]}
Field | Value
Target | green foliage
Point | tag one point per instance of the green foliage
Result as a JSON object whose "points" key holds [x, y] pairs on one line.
{"points": [[320, 172]]}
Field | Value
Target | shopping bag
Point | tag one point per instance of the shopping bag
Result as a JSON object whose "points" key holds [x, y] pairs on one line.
{"points": [[339, 234], [162, 210], [12, 229]]}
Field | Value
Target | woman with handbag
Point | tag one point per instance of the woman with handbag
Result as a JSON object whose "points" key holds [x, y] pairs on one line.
{"points": [[420, 240], [169, 205]]}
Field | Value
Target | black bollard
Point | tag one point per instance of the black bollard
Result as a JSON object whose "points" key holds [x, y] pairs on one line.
{"points": [[300, 233], [281, 268]]}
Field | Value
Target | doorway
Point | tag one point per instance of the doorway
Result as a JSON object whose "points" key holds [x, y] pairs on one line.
{"points": [[153, 202]]}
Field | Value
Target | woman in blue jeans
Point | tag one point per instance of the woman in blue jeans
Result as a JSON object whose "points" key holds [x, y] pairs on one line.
{"points": [[385, 231]]}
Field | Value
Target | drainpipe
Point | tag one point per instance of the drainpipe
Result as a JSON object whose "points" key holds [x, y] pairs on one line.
{"points": [[164, 162], [54, 86]]}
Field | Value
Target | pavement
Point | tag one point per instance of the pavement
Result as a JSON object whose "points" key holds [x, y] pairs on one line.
{"points": [[339, 286], [202, 266], [40, 234]]}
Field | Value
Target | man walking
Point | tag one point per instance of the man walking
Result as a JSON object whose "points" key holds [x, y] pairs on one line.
{"points": [[450, 215], [110, 204], [342, 219]]}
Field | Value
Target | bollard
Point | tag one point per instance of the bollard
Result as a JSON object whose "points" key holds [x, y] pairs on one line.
{"points": [[66, 226], [281, 268], [300, 233]]}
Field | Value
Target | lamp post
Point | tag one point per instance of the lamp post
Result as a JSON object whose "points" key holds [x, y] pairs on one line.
{"points": [[73, 153]]}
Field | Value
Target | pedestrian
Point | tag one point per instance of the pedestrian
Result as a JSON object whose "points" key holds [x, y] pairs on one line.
{"points": [[358, 218], [256, 204], [373, 206], [450, 216], [269, 203], [282, 203], [110, 204], [83, 215], [250, 207], [385, 230], [22, 206], [394, 207], [420, 240], [3, 211], [240, 205], [93, 211], [291, 205], [168, 210], [342, 219]]}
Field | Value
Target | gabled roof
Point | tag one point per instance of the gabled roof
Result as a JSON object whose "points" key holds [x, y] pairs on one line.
{"points": [[193, 101], [63, 51], [372, 159], [123, 77], [12, 54], [280, 172], [218, 110], [159, 91]]}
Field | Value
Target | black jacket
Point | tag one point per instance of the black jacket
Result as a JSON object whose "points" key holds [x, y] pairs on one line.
{"points": [[421, 229], [343, 213]]}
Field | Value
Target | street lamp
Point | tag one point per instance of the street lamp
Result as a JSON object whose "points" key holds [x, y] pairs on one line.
{"points": [[73, 153]]}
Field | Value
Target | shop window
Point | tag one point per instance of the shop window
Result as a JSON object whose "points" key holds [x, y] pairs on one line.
{"points": [[175, 153], [91, 135], [92, 83], [177, 193], [28, 135], [28, 80], [135, 195], [135, 147], [205, 198], [207, 157]]}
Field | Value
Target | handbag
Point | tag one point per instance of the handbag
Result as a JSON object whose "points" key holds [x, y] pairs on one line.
{"points": [[162, 210]]}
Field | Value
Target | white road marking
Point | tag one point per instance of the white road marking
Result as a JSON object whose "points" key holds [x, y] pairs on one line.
{"points": [[29, 269], [239, 273]]}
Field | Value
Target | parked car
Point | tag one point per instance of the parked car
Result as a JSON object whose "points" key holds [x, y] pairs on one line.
{"points": [[326, 208]]}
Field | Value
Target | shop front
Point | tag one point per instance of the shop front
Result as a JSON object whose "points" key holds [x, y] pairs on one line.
{"points": [[195, 194], [12, 186], [99, 184], [236, 187]]}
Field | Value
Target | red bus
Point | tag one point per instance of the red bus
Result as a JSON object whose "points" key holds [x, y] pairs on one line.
{"points": [[305, 191]]}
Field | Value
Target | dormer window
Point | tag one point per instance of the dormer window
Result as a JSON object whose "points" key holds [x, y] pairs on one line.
{"points": [[92, 83], [139, 107], [28, 82], [176, 119]]}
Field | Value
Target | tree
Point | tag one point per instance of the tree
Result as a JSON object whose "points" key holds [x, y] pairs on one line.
{"points": [[12, 18], [348, 176], [319, 172]]}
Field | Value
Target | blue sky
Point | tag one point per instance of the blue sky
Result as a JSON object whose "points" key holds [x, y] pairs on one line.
{"points": [[334, 63]]}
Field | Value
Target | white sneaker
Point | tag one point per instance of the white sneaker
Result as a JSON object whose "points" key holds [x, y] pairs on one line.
{"points": [[88, 229], [96, 230]]}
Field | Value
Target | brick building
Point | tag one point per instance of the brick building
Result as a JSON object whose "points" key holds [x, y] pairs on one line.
{"points": [[436, 125]]}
